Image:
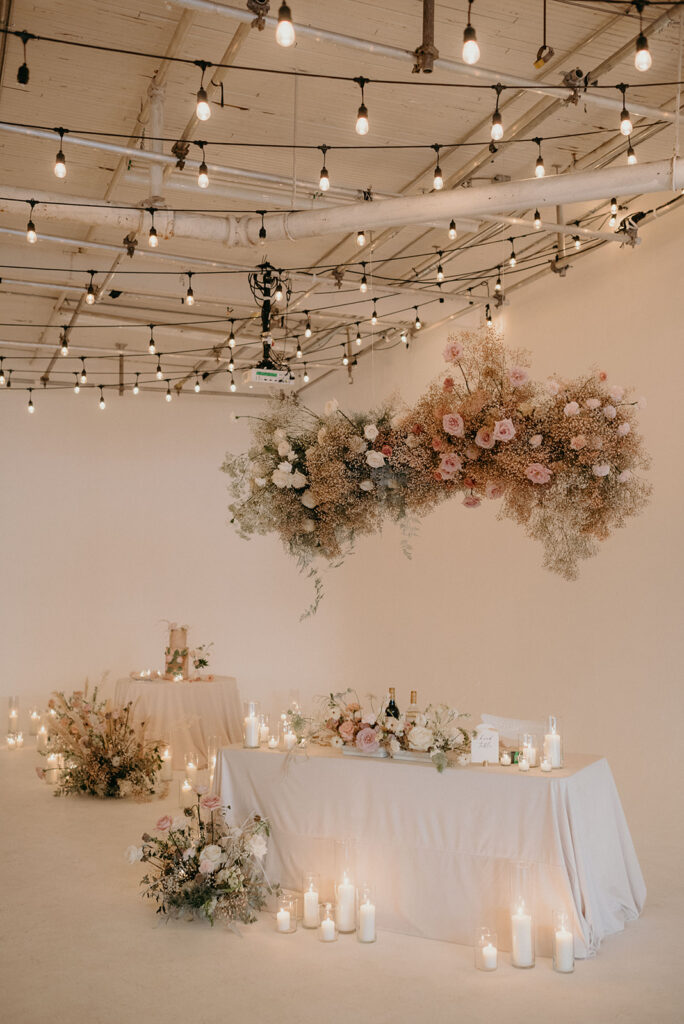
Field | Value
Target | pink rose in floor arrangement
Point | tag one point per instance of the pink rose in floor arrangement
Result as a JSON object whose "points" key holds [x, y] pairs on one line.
{"points": [[102, 753], [487, 410], [199, 867]]}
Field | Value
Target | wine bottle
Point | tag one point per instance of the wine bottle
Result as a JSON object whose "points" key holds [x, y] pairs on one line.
{"points": [[413, 710], [392, 711]]}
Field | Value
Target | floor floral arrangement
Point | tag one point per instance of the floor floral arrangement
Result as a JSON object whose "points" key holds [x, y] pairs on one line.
{"points": [[344, 722], [200, 867], [563, 457], [104, 754]]}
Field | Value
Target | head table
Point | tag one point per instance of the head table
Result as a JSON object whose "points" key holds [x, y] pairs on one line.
{"points": [[185, 714], [438, 848]]}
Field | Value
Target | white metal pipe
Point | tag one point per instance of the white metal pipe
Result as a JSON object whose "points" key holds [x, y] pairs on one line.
{"points": [[553, 228], [474, 71], [500, 197], [156, 103]]}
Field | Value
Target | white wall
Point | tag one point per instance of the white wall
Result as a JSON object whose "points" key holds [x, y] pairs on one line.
{"points": [[111, 522]]}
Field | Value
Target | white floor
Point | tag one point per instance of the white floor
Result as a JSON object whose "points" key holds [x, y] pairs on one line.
{"points": [[80, 945]]}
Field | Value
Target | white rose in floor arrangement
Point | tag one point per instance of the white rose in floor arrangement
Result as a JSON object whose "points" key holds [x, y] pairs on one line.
{"points": [[198, 867]]}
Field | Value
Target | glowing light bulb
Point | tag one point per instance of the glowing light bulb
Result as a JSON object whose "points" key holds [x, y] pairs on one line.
{"points": [[578, 241], [613, 206], [511, 259], [363, 287], [362, 120], [537, 220], [203, 176], [539, 169], [60, 165], [642, 57], [438, 180], [279, 293], [360, 238], [31, 407], [197, 386], [404, 337], [299, 351], [626, 125], [452, 230], [153, 238], [102, 401], [613, 220], [136, 386], [497, 286], [168, 395], [231, 338], [358, 338], [90, 294], [496, 130], [233, 385], [306, 377], [64, 347], [77, 387], [189, 297], [231, 364], [440, 273], [324, 182], [488, 316], [471, 50], [307, 329], [345, 357], [374, 316], [203, 109], [418, 324], [285, 33], [31, 234], [631, 155], [159, 373]]}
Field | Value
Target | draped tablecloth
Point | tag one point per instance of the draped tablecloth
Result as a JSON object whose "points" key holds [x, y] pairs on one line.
{"points": [[438, 848], [185, 715]]}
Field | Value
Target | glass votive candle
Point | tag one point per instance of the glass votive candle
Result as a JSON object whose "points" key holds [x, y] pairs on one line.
{"points": [[486, 952], [19, 739], [286, 915], [523, 764], [274, 739], [545, 764], [42, 738], [528, 747], [345, 904], [365, 914], [311, 917], [212, 751], [191, 765], [34, 721], [553, 744], [327, 930], [187, 793], [166, 773], [264, 729], [563, 943], [289, 739], [13, 714], [250, 724], [505, 758], [11, 740]]}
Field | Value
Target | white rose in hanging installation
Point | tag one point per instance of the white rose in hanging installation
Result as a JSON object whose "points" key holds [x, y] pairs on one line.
{"points": [[484, 428], [331, 407], [420, 738]]}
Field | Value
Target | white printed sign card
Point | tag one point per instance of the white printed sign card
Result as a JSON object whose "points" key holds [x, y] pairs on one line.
{"points": [[485, 745]]}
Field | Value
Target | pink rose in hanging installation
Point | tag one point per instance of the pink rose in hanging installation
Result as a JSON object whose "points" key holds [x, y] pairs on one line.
{"points": [[453, 424], [537, 473], [504, 430], [453, 351]]}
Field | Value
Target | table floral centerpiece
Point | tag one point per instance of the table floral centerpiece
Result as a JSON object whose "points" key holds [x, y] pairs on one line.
{"points": [[104, 754], [436, 732], [200, 867]]}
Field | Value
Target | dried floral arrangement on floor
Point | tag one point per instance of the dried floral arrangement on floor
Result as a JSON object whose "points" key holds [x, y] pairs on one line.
{"points": [[200, 867], [103, 754], [563, 457]]}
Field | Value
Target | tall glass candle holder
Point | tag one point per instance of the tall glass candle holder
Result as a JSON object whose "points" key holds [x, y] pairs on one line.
{"points": [[365, 913], [563, 943], [191, 766], [553, 743], [345, 890], [187, 794], [13, 715], [328, 931], [166, 773], [529, 748], [264, 728], [42, 738], [486, 951], [286, 914], [250, 724], [311, 917], [274, 739], [34, 721], [522, 924]]}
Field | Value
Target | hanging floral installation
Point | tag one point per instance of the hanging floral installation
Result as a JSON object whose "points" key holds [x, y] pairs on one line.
{"points": [[563, 458]]}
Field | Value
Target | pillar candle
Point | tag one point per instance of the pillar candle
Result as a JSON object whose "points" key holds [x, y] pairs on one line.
{"points": [[531, 754], [167, 765], [251, 731], [489, 957], [523, 764], [344, 909], [34, 722], [521, 928], [505, 758], [11, 740], [263, 733], [283, 920], [366, 931], [545, 764], [289, 740], [20, 739], [327, 930], [272, 742], [311, 914], [187, 793], [41, 738], [564, 951], [552, 749]]}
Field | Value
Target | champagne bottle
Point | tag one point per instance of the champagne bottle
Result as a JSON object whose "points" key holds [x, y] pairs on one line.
{"points": [[392, 711], [413, 710]]}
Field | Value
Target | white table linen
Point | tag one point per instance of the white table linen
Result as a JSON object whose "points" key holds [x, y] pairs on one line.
{"points": [[438, 848], [184, 715]]}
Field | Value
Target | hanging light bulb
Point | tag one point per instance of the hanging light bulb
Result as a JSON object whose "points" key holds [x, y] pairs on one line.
{"points": [[497, 286], [60, 162], [511, 259], [31, 407], [197, 386], [437, 180], [496, 130], [471, 51], [345, 357], [537, 220], [278, 295], [299, 350], [31, 233], [488, 315], [203, 173], [190, 295], [203, 110], [153, 238], [2, 372], [169, 396], [285, 33], [159, 373], [307, 329], [539, 169], [358, 339], [102, 400], [262, 229], [84, 376], [233, 385], [418, 324], [231, 336], [362, 114], [306, 377], [151, 347], [324, 179], [231, 364], [363, 287], [577, 240], [613, 220], [64, 345], [613, 206], [90, 293], [452, 230], [642, 56], [631, 155], [440, 273], [77, 386], [374, 314], [404, 337], [626, 125], [136, 386], [360, 238]]}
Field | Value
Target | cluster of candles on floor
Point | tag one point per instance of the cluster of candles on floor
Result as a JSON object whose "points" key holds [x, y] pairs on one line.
{"points": [[15, 736], [193, 775], [257, 731], [527, 754], [352, 912]]}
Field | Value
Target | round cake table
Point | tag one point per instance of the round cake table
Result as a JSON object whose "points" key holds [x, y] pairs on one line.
{"points": [[185, 715]]}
